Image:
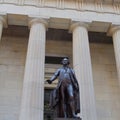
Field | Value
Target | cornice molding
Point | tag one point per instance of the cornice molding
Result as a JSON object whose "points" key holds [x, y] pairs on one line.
{"points": [[21, 2], [81, 5]]}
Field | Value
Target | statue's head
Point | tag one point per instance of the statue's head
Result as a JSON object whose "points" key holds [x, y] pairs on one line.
{"points": [[65, 61]]}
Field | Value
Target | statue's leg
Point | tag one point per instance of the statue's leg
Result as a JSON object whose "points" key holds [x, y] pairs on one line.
{"points": [[71, 100], [62, 90]]}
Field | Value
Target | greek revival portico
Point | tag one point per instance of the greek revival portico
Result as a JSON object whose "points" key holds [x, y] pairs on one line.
{"points": [[33, 86], [77, 20]]}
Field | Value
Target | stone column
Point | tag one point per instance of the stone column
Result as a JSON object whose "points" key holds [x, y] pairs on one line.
{"points": [[1, 25], [32, 106], [115, 32], [83, 70]]}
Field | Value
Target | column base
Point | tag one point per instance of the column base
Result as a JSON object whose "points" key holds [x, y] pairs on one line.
{"points": [[67, 119]]}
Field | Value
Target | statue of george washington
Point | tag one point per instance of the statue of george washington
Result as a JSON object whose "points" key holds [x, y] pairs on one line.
{"points": [[65, 97]]}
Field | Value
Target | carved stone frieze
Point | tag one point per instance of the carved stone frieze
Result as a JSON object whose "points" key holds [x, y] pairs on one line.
{"points": [[103, 6]]}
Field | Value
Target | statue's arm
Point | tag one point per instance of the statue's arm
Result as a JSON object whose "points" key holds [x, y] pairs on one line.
{"points": [[73, 72], [56, 74], [75, 79]]}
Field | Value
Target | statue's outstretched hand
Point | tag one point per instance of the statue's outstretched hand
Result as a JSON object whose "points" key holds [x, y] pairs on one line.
{"points": [[49, 81]]}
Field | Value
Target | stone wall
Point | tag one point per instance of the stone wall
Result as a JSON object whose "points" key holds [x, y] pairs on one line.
{"points": [[12, 60], [107, 90]]}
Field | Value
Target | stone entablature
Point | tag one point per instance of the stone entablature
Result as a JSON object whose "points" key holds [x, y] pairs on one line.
{"points": [[99, 16], [107, 6]]}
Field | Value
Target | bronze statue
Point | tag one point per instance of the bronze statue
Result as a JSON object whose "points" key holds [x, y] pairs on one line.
{"points": [[65, 97]]}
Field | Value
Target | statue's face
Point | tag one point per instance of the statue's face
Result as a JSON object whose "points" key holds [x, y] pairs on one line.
{"points": [[65, 61]]}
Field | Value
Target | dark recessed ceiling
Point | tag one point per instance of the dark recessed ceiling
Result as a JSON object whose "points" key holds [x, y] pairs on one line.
{"points": [[56, 34], [94, 37], [99, 37], [13, 30]]}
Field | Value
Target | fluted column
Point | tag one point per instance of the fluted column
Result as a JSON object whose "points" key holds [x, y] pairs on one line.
{"points": [[115, 32], [1, 25], [83, 70], [33, 85]]}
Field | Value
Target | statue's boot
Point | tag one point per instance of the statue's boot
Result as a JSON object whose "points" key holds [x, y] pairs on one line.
{"points": [[72, 105], [75, 116], [64, 110]]}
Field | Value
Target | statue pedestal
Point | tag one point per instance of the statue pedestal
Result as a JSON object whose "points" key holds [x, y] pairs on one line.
{"points": [[67, 119]]}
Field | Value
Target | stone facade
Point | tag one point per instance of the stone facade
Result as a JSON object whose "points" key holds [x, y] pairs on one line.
{"points": [[13, 52], [23, 50]]}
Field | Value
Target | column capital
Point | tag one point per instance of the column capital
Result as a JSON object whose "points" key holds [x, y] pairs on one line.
{"points": [[78, 24], [3, 20], [33, 21], [112, 29]]}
